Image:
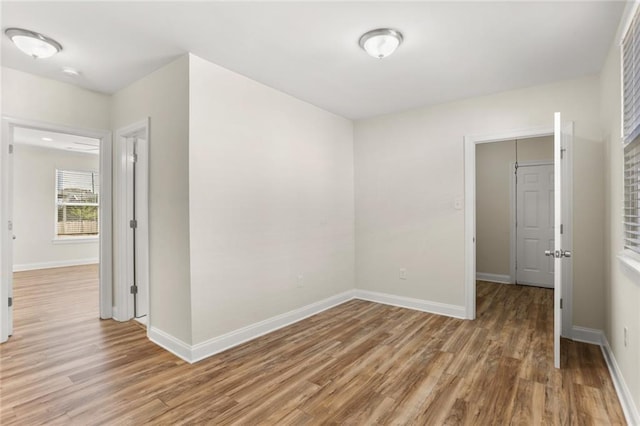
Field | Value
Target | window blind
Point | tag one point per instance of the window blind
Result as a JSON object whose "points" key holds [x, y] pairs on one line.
{"points": [[631, 81], [632, 196], [631, 134], [77, 203]]}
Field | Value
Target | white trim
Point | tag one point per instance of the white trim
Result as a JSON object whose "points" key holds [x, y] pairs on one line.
{"points": [[242, 335], [587, 335], [455, 311], [195, 353], [494, 278], [123, 264], [629, 261], [165, 340], [200, 351], [55, 264], [75, 240], [597, 337], [625, 397], [470, 142], [105, 213]]}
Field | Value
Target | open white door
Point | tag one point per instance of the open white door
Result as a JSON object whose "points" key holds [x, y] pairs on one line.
{"points": [[6, 232], [561, 135], [132, 262]]}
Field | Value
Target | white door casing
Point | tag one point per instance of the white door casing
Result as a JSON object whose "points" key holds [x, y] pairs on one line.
{"points": [[133, 145], [6, 212], [534, 224], [470, 142]]}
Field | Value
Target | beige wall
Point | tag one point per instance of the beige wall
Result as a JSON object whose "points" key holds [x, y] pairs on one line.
{"points": [[409, 170], [34, 177], [30, 97], [164, 97], [622, 284], [494, 173], [271, 198]]}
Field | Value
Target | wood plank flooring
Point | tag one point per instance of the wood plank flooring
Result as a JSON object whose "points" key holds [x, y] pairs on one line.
{"points": [[360, 363]]}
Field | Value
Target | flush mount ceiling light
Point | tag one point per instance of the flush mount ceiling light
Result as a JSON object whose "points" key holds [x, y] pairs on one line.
{"points": [[381, 42], [33, 44]]}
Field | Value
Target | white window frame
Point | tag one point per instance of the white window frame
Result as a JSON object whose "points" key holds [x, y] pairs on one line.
{"points": [[627, 257], [67, 239]]}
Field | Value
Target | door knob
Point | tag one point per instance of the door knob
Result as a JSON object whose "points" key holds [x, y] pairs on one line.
{"points": [[566, 253], [548, 253], [14, 237]]}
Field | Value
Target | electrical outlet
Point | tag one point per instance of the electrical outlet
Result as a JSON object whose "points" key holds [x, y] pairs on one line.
{"points": [[300, 280], [626, 337], [403, 273]]}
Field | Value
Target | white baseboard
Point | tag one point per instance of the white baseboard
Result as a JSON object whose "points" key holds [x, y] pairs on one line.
{"points": [[242, 335], [197, 352], [54, 264], [494, 278], [629, 408], [587, 335], [170, 343], [411, 303]]}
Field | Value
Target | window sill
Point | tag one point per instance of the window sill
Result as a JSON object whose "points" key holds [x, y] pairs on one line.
{"points": [[75, 240], [630, 260]]}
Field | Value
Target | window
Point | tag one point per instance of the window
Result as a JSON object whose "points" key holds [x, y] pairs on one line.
{"points": [[77, 202], [632, 196], [631, 134]]}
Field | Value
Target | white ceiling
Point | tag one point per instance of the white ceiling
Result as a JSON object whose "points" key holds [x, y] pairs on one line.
{"points": [[54, 140], [451, 50]]}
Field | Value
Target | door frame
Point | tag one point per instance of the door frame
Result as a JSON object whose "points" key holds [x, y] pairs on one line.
{"points": [[513, 248], [470, 142], [105, 212], [123, 308]]}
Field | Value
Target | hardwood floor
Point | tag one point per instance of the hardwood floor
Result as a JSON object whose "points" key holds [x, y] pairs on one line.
{"points": [[358, 363]]}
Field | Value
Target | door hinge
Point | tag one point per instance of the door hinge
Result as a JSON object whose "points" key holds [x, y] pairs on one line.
{"points": [[562, 150], [10, 148], [134, 157], [10, 226], [561, 228], [10, 301], [133, 223], [560, 303], [134, 289]]}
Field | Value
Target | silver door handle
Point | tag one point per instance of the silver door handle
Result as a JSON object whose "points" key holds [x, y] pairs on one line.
{"points": [[557, 253]]}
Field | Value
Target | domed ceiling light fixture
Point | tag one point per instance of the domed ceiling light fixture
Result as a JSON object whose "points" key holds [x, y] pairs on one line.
{"points": [[33, 44], [381, 42]]}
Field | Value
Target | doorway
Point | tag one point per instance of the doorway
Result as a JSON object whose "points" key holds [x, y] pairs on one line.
{"points": [[132, 223], [563, 140], [56, 201], [513, 216]]}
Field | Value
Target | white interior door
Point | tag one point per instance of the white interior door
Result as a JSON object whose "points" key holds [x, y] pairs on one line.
{"points": [[136, 259], [141, 231], [12, 237], [534, 224], [132, 240], [561, 135]]}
